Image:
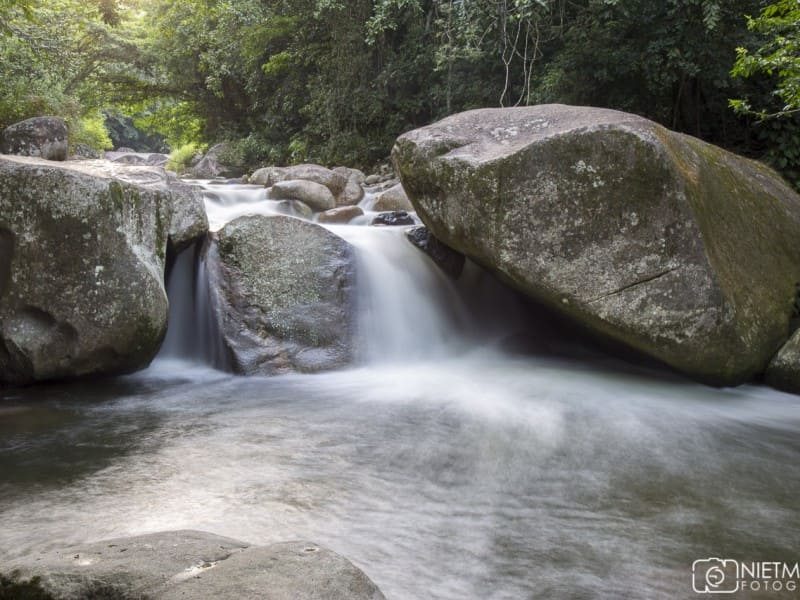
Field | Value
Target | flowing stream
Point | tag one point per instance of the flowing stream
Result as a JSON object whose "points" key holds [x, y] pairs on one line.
{"points": [[443, 465]]}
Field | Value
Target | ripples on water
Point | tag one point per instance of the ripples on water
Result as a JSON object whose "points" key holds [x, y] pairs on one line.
{"points": [[484, 476]]}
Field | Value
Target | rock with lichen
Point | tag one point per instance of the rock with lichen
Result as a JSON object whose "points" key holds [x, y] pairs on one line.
{"points": [[676, 248], [186, 564], [82, 252], [282, 292]]}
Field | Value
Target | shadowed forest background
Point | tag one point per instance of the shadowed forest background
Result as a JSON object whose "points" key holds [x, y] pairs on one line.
{"points": [[336, 82]]}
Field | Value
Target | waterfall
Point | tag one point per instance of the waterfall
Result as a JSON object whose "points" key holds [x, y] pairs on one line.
{"points": [[407, 308], [192, 331]]}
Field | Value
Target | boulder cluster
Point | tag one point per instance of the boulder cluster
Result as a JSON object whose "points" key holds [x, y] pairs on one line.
{"points": [[652, 240]]}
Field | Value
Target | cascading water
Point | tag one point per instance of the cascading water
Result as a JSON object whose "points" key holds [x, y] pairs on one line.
{"points": [[408, 308], [192, 331]]}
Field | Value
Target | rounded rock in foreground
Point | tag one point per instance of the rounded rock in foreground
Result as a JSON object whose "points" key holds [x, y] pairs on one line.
{"points": [[192, 564]]}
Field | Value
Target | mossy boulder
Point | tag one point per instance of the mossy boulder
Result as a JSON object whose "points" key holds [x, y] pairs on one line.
{"points": [[676, 248], [82, 249], [283, 292]]}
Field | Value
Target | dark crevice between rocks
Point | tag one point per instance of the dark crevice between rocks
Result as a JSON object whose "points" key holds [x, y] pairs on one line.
{"points": [[6, 258], [548, 334], [794, 320], [449, 260]]}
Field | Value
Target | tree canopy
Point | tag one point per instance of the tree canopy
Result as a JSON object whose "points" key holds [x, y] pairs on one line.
{"points": [[335, 82]]}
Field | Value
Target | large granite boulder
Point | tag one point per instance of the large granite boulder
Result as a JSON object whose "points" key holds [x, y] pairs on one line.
{"points": [[282, 290], [189, 564], [676, 248], [45, 137], [82, 249]]}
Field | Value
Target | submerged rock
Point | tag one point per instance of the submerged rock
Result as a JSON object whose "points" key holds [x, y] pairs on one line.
{"points": [[44, 137], [394, 218], [82, 248], [282, 290], [343, 214], [315, 195], [676, 248], [295, 208], [450, 261], [193, 564]]}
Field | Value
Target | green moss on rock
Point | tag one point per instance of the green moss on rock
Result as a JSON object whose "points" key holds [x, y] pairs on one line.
{"points": [[676, 248]]}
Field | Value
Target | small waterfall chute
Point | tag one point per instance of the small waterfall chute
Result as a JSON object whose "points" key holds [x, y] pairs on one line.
{"points": [[192, 332]]}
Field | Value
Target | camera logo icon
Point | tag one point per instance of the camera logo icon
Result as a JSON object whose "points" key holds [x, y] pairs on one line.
{"points": [[715, 576]]}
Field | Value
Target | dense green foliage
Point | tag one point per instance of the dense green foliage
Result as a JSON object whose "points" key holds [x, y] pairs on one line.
{"points": [[776, 63], [336, 81], [63, 57]]}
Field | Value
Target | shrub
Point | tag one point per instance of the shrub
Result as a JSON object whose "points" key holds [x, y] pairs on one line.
{"points": [[89, 130], [180, 159]]}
